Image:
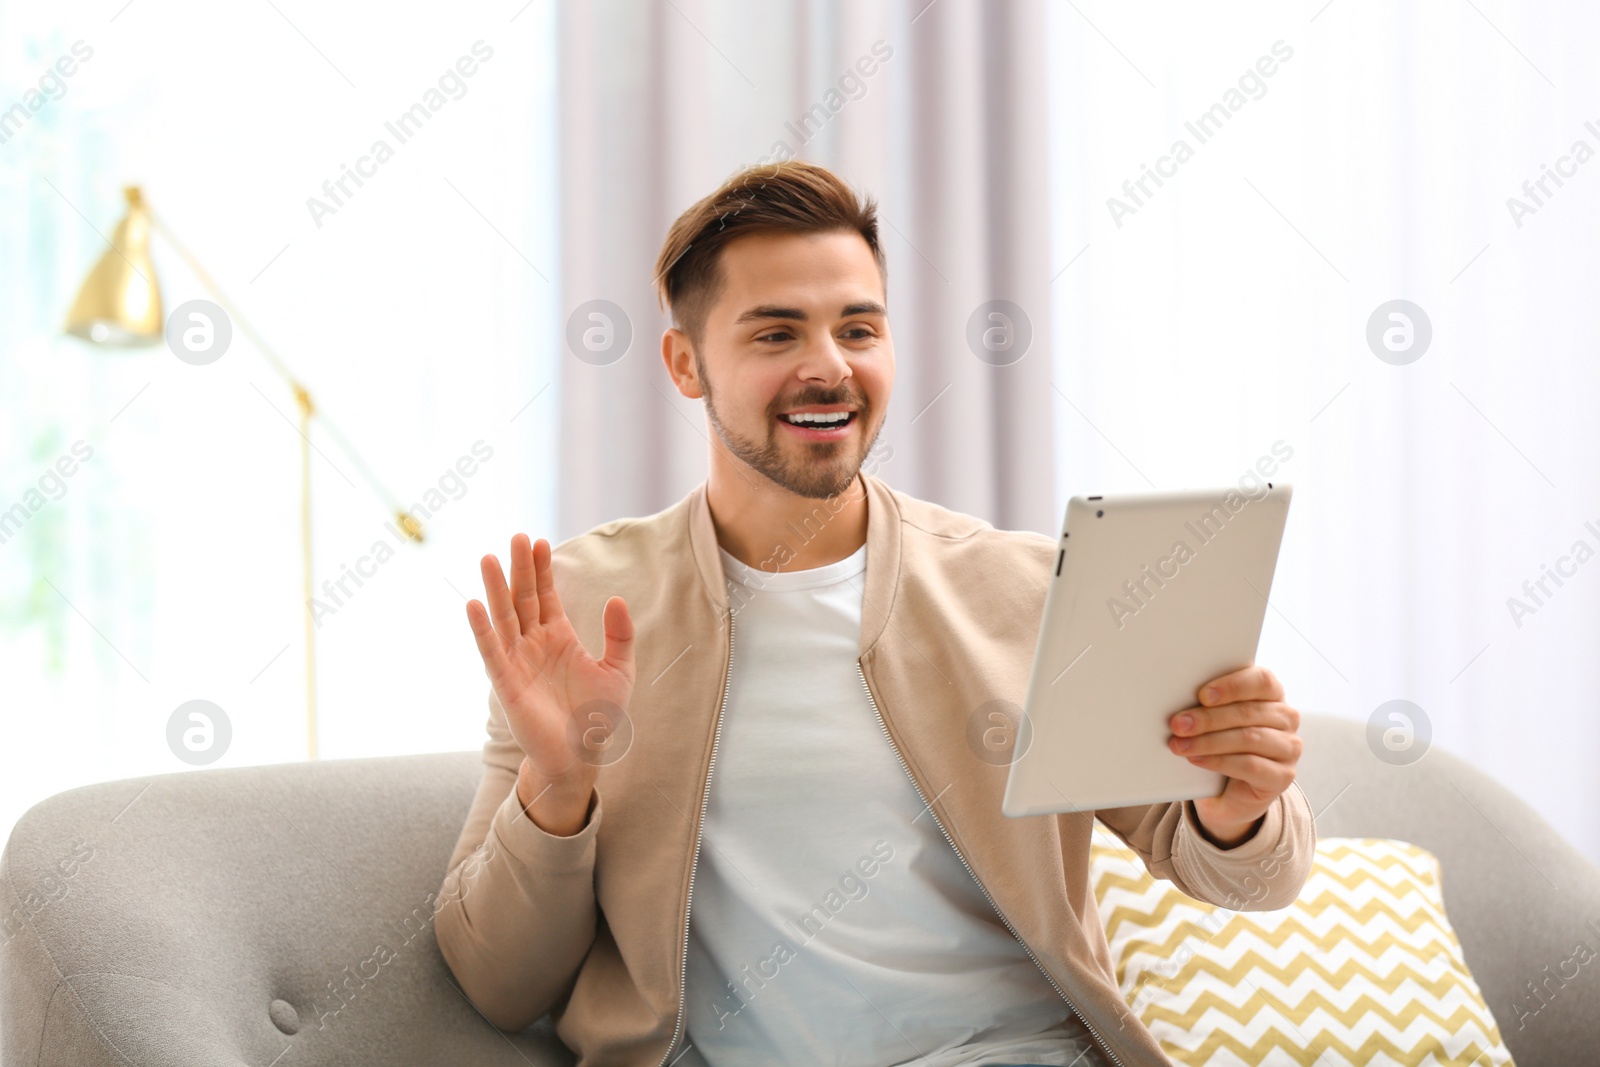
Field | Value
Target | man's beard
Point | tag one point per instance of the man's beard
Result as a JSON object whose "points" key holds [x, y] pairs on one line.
{"points": [[820, 472]]}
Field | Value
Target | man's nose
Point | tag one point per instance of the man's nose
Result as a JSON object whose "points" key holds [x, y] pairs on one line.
{"points": [[824, 362]]}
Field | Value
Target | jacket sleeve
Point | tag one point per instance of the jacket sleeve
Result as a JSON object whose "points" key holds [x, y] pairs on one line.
{"points": [[1262, 873], [516, 914]]}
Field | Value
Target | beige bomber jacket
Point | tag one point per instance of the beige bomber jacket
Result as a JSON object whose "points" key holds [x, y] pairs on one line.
{"points": [[594, 927]]}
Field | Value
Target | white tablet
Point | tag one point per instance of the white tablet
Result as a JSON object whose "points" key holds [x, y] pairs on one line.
{"points": [[1153, 595]]}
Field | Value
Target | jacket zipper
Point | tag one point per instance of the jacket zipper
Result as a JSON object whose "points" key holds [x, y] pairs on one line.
{"points": [[923, 797], [694, 865]]}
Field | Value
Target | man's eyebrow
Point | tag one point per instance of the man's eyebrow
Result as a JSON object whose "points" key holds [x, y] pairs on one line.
{"points": [[775, 311]]}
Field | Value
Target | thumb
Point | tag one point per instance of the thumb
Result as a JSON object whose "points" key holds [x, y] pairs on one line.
{"points": [[619, 635]]}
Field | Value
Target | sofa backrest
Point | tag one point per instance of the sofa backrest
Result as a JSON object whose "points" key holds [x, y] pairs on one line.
{"points": [[226, 916], [1521, 898]]}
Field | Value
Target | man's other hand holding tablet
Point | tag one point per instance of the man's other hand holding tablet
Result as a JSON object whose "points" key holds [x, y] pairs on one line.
{"points": [[1243, 729]]}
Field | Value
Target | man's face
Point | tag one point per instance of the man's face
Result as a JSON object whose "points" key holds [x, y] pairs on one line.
{"points": [[799, 328]]}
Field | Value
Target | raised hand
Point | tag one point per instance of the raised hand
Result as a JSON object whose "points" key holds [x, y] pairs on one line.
{"points": [[559, 700]]}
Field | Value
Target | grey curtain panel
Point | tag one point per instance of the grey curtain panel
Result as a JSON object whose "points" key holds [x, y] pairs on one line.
{"points": [[939, 110]]}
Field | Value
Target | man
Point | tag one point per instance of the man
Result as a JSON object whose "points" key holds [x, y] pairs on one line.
{"points": [[753, 831]]}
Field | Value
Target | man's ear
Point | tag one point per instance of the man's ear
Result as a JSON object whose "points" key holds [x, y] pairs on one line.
{"points": [[678, 356]]}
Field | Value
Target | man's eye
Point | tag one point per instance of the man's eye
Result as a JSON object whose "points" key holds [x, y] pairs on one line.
{"points": [[861, 332], [782, 334]]}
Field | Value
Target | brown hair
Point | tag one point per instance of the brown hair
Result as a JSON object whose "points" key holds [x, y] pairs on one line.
{"points": [[790, 196]]}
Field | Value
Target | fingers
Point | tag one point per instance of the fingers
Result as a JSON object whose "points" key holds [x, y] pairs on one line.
{"points": [[1268, 777], [1275, 714], [532, 598], [489, 646], [1247, 683], [1264, 741], [619, 635], [501, 609], [549, 601], [524, 593]]}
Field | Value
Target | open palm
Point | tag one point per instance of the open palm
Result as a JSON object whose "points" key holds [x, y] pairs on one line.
{"points": [[541, 672]]}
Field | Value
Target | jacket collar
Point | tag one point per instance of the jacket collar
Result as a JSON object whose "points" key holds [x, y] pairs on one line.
{"points": [[883, 555]]}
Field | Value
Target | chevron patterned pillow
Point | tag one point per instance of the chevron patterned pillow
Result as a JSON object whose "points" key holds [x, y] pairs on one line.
{"points": [[1363, 968]]}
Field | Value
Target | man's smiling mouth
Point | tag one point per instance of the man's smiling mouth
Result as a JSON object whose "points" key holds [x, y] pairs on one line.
{"points": [[822, 420]]}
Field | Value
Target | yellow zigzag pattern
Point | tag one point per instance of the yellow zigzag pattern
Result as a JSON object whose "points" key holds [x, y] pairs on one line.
{"points": [[1403, 877], [1436, 1018], [1377, 1048], [1363, 1007], [1402, 873], [1162, 906], [1150, 905], [1330, 861], [1288, 927], [1236, 977]]}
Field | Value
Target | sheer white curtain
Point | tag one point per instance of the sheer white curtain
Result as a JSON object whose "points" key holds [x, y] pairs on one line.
{"points": [[938, 110], [1343, 157], [169, 568], [1229, 311]]}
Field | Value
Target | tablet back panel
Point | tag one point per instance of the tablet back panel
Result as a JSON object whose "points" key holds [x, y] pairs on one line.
{"points": [[1154, 594]]}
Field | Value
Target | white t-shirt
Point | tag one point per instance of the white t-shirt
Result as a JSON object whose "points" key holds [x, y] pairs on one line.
{"points": [[832, 923]]}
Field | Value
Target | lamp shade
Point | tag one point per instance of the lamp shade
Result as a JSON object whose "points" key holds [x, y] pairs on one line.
{"points": [[120, 301]]}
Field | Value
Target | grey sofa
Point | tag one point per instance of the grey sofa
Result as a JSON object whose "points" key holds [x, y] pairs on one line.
{"points": [[207, 917]]}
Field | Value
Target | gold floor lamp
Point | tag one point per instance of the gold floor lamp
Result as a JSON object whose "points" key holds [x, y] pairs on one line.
{"points": [[119, 305]]}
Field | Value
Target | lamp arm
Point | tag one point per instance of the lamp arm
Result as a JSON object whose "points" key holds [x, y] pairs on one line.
{"points": [[408, 524]]}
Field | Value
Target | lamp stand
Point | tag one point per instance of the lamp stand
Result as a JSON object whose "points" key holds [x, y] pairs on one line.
{"points": [[403, 519]]}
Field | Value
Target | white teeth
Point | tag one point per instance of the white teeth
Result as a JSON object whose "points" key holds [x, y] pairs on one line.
{"points": [[831, 418]]}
